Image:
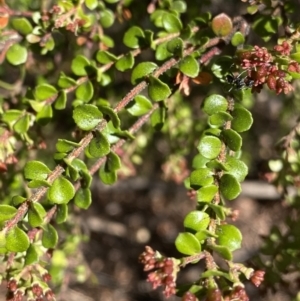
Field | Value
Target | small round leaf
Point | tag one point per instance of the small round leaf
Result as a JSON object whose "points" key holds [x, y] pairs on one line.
{"points": [[7, 212], [196, 221], [17, 240], [17, 54], [230, 187], [61, 213], [215, 103], [187, 243], [31, 255], [36, 170], [189, 66], [125, 62], [79, 65], [83, 198], [242, 119], [232, 139], [210, 147], [85, 91], [171, 23], [207, 193], [133, 36], [141, 70], [86, 116], [201, 177], [221, 25], [236, 168], [44, 91], [229, 236], [158, 90], [139, 106], [49, 237], [99, 146], [107, 18], [61, 191]]}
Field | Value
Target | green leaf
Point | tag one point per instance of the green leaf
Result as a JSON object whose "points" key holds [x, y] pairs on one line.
{"points": [[229, 236], [7, 212], [61, 191], [237, 39], [221, 25], [199, 161], [22, 125], [112, 115], [215, 103], [158, 118], [66, 82], [158, 90], [105, 57], [22, 25], [236, 168], [36, 213], [139, 106], [61, 100], [242, 119], [219, 119], [49, 237], [44, 116], [179, 6], [65, 146], [125, 62], [201, 177], [210, 147], [175, 47], [16, 201], [44, 91], [11, 116], [223, 251], [162, 52], [17, 240], [87, 116], [189, 66], [107, 18], [187, 243], [108, 177], [171, 23], [196, 221], [38, 184], [91, 4], [232, 139], [83, 198], [142, 70], [31, 255], [79, 65], [219, 211], [85, 91], [61, 213], [36, 170], [99, 146], [16, 55], [133, 36], [206, 193], [230, 187]]}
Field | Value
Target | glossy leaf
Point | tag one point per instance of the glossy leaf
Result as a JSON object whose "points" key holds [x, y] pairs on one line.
{"points": [[125, 62], [44, 116], [91, 4], [108, 177], [36, 213], [230, 187], [133, 37], [171, 23], [22, 25], [221, 25], [201, 177], [206, 193], [86, 116], [232, 139], [65, 146], [157, 89], [99, 146], [142, 70], [61, 100], [219, 119], [66, 82], [215, 103], [242, 119], [49, 237], [79, 65], [237, 39], [6, 212], [158, 118], [83, 198], [61, 213], [17, 240], [189, 66], [139, 106], [61, 191], [219, 211], [36, 170], [175, 47], [236, 168], [196, 221], [223, 251], [107, 18], [162, 52], [85, 91], [16, 54], [22, 125], [105, 57], [187, 243], [44, 91], [31, 255], [210, 147], [229, 236], [112, 115]]}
